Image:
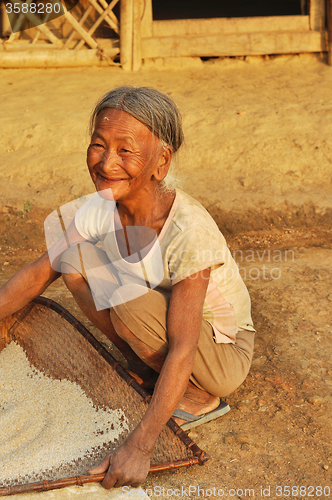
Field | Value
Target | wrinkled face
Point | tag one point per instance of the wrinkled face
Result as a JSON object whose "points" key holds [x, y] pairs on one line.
{"points": [[122, 156]]}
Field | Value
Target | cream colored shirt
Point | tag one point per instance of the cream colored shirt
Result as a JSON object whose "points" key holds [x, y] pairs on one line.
{"points": [[189, 242]]}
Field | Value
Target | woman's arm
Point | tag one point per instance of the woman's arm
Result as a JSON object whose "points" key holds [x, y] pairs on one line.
{"points": [[25, 285], [130, 462], [34, 278]]}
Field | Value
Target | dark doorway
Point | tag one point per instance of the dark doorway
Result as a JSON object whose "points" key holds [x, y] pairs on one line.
{"points": [[196, 9]]}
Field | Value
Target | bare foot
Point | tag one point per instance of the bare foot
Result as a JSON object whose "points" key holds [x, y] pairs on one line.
{"points": [[197, 402]]}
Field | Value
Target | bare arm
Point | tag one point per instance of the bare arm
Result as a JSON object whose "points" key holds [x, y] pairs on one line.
{"points": [[130, 463], [25, 285], [34, 278]]}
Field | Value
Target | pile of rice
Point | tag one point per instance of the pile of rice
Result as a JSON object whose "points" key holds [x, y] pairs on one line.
{"points": [[46, 423]]}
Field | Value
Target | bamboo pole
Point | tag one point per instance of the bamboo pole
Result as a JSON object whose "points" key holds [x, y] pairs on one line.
{"points": [[81, 22], [317, 15], [41, 27], [111, 14], [137, 44], [329, 24], [75, 24], [89, 478], [5, 28], [126, 34], [18, 25], [46, 18], [53, 58], [109, 18], [99, 20], [147, 19]]}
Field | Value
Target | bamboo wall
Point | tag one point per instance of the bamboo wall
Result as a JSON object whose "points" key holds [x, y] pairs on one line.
{"points": [[142, 37]]}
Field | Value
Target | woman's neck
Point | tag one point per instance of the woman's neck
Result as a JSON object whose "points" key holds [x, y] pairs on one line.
{"points": [[150, 210]]}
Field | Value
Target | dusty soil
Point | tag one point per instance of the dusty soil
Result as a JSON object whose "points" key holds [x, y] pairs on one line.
{"points": [[268, 185]]}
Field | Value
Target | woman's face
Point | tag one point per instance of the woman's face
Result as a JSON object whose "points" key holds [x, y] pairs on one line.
{"points": [[123, 155]]}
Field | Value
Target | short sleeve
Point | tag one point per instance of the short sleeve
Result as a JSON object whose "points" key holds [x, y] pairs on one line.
{"points": [[194, 250], [93, 219]]}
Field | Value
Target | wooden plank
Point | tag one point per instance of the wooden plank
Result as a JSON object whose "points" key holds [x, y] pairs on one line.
{"points": [[137, 44], [146, 20], [235, 45], [126, 34], [180, 27], [317, 15]]}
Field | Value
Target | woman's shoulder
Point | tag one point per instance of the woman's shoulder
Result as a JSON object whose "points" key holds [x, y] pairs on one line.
{"points": [[191, 214], [93, 218]]}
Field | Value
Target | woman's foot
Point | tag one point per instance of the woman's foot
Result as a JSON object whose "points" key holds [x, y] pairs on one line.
{"points": [[197, 402]]}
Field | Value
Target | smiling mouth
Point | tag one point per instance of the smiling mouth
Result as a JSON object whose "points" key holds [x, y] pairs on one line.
{"points": [[112, 179]]}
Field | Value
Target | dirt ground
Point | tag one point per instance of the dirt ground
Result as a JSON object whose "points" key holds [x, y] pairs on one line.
{"points": [[260, 134]]}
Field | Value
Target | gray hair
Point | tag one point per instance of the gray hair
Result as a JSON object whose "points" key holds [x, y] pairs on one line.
{"points": [[149, 106]]}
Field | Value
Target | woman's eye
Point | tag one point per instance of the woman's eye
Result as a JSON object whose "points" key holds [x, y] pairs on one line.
{"points": [[125, 150], [96, 145]]}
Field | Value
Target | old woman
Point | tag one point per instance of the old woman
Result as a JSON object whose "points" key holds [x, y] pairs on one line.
{"points": [[149, 267]]}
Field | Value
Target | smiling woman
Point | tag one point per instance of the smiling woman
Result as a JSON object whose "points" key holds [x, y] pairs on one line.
{"points": [[164, 287], [125, 156], [151, 108]]}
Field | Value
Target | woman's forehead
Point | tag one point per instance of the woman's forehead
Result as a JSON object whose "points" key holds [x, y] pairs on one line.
{"points": [[119, 121]]}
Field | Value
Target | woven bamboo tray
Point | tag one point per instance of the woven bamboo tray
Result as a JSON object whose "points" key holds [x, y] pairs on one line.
{"points": [[62, 348]]}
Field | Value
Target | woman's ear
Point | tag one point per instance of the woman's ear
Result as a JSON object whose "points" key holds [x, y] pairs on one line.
{"points": [[162, 167]]}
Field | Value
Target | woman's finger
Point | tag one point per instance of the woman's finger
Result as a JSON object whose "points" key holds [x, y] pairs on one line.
{"points": [[135, 485], [111, 481], [102, 467]]}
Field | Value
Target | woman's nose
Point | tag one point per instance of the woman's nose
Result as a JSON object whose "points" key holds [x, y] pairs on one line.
{"points": [[108, 160]]}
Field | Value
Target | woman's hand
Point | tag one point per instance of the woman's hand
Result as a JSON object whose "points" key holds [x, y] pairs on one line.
{"points": [[128, 465]]}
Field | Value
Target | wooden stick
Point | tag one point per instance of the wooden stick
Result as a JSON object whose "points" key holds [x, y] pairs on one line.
{"points": [[99, 20], [81, 22], [137, 44], [44, 21], [54, 58], [5, 28], [114, 25], [111, 14], [147, 20], [75, 24], [126, 34], [329, 25], [89, 478]]}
